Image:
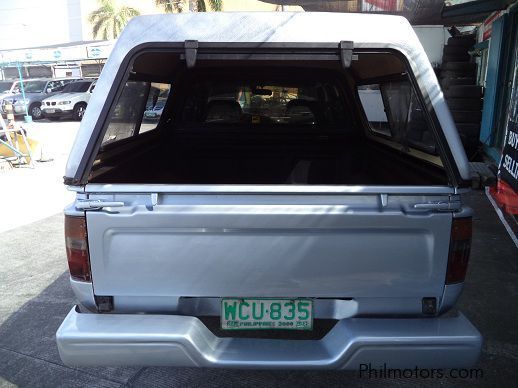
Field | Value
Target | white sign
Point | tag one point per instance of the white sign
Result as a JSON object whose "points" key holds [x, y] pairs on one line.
{"points": [[57, 54], [98, 51]]}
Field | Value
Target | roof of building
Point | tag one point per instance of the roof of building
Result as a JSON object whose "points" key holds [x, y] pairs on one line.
{"points": [[59, 45]]}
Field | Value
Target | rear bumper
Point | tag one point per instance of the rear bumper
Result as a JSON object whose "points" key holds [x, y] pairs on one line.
{"points": [[169, 340]]}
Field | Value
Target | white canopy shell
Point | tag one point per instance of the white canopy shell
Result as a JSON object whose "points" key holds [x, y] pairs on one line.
{"points": [[366, 31]]}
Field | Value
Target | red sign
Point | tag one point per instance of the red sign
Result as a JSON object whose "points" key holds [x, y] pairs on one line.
{"points": [[384, 5]]}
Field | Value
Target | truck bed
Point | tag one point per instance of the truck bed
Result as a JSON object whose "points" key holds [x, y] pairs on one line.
{"points": [[294, 157]]}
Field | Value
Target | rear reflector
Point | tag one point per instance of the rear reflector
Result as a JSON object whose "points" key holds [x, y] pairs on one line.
{"points": [[460, 247], [76, 242]]}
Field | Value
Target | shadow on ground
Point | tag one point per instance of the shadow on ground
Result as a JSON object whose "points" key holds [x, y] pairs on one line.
{"points": [[28, 352], [29, 357]]}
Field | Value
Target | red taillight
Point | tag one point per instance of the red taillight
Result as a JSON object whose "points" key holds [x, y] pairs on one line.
{"points": [[460, 246], [76, 242]]}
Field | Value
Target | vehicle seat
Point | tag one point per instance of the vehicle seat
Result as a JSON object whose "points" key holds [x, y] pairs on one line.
{"points": [[304, 107], [223, 110], [300, 173]]}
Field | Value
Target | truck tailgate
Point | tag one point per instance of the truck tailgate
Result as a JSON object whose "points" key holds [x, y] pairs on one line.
{"points": [[269, 246]]}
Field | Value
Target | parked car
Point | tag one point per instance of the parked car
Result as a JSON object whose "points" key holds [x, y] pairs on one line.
{"points": [[8, 88], [153, 113], [71, 102], [269, 219], [35, 91]]}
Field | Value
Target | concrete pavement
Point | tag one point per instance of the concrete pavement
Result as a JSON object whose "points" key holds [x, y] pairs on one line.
{"points": [[31, 194], [35, 297]]}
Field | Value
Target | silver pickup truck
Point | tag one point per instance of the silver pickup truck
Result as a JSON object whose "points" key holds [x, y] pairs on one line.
{"points": [[297, 204]]}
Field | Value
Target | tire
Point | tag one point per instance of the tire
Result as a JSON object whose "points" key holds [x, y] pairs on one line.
{"points": [[468, 117], [79, 111], [447, 82], [35, 111], [462, 41], [459, 66], [458, 57], [464, 91], [465, 104], [454, 50], [458, 73]]}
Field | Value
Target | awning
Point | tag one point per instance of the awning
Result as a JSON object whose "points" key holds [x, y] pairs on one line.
{"points": [[418, 12]]}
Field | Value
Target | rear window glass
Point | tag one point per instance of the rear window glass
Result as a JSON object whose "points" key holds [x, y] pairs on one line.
{"points": [[35, 86], [138, 110], [235, 102], [155, 104], [77, 87], [267, 122], [372, 102], [5, 86], [394, 112]]}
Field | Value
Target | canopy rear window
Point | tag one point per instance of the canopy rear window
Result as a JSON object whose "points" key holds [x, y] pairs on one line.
{"points": [[268, 121]]}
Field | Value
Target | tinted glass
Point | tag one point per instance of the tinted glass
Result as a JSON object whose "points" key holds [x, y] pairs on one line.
{"points": [[264, 103], [155, 103], [55, 86], [393, 110], [5, 86], [77, 87], [126, 117], [35, 86], [372, 102]]}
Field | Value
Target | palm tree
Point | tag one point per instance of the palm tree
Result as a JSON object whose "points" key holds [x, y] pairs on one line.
{"points": [[215, 5], [110, 18], [170, 6], [194, 5]]}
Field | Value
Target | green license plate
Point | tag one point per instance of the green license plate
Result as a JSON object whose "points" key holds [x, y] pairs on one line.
{"points": [[254, 314]]}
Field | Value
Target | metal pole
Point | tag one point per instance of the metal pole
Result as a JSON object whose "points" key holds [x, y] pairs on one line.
{"points": [[22, 87]]}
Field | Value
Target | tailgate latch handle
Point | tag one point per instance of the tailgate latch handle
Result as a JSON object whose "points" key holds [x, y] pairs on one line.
{"points": [[94, 204], [439, 205]]}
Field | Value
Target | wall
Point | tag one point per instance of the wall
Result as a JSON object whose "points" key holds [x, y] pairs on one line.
{"points": [[433, 39], [29, 23]]}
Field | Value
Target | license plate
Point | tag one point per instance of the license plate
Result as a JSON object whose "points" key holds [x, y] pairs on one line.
{"points": [[50, 110], [254, 314]]}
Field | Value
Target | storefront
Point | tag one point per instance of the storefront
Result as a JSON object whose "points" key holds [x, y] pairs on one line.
{"points": [[499, 131], [84, 59]]}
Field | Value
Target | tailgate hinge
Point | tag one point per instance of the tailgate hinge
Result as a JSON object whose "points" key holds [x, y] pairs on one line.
{"points": [[191, 52], [95, 204], [346, 53]]}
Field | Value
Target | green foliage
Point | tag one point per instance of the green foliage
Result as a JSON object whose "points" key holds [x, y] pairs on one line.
{"points": [[110, 18], [169, 6], [216, 5]]}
